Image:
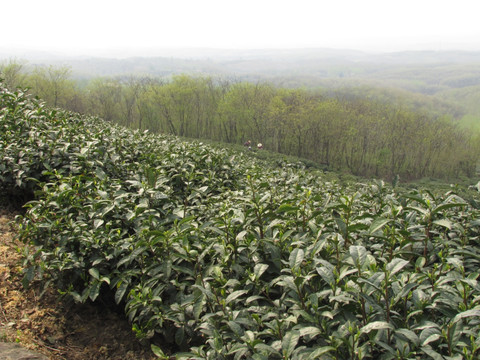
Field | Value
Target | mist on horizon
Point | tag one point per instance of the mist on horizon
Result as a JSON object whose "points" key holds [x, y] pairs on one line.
{"points": [[154, 28]]}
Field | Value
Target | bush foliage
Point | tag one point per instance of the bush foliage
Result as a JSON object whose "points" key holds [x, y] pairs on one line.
{"points": [[217, 255]]}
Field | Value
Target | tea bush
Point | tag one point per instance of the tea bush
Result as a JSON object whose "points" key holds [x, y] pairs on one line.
{"points": [[218, 255]]}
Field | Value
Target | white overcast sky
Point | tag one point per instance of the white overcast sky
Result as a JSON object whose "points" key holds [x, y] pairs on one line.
{"points": [[78, 26]]}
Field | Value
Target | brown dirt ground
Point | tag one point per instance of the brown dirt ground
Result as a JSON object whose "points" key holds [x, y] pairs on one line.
{"points": [[46, 324]]}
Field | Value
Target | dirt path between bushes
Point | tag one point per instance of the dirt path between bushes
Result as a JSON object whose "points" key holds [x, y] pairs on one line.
{"points": [[44, 327]]}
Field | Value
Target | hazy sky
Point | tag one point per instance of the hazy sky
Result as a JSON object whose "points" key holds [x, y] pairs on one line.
{"points": [[81, 25]]}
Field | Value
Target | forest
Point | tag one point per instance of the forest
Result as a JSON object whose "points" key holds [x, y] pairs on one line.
{"points": [[363, 130]]}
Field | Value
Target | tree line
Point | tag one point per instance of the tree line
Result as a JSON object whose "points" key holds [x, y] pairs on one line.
{"points": [[361, 134]]}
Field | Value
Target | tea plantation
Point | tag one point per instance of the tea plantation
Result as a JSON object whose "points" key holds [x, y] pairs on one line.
{"points": [[214, 254]]}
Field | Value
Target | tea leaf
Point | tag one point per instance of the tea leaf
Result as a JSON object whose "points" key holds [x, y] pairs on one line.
{"points": [[396, 265], [376, 325], [409, 335], [309, 331], [296, 257], [466, 314], [95, 273], [377, 224], [120, 293], [358, 254], [259, 269], [445, 223], [235, 295], [319, 351], [289, 342]]}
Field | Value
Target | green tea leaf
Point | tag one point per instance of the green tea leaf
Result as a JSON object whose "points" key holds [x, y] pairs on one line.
{"points": [[158, 352], [378, 224], [448, 206], [198, 306], [180, 336], [94, 290], [296, 257], [259, 269], [289, 342], [432, 353], [241, 235], [95, 273], [466, 314], [358, 254], [236, 328], [235, 295], [319, 351], [120, 293], [309, 331], [409, 335], [445, 223], [97, 223], [429, 335], [396, 265], [376, 325], [326, 274]]}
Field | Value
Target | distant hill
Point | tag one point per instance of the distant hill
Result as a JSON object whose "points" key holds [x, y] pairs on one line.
{"points": [[318, 63]]}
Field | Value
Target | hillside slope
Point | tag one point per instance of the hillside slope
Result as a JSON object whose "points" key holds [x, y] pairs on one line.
{"points": [[213, 254]]}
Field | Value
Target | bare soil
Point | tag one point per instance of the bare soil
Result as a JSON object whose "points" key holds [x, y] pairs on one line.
{"points": [[48, 325]]}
